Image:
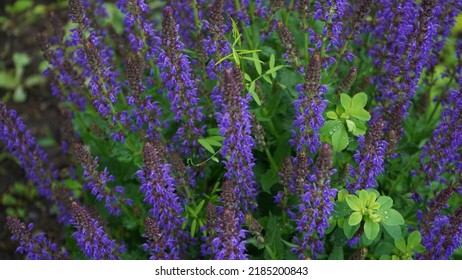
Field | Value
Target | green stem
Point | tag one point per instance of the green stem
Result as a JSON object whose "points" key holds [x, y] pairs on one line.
{"points": [[273, 164]]}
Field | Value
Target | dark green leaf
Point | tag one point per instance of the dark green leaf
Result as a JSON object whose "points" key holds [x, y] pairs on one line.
{"points": [[350, 230]]}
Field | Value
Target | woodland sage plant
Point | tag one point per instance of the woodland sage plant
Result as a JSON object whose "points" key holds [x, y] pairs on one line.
{"points": [[215, 129]]}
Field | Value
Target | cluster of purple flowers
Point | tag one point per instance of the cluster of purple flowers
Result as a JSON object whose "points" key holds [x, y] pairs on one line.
{"points": [[158, 187], [36, 247], [370, 158], [22, 145], [97, 181], [91, 237], [233, 120]]}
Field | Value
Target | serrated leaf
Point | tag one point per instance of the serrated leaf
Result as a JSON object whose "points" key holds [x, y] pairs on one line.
{"points": [[392, 217], [385, 202], [345, 100], [340, 139], [393, 231], [206, 145], [332, 115], [257, 63], [355, 218], [371, 229], [354, 203]]}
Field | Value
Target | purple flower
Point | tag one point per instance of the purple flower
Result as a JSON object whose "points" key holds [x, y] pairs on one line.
{"points": [[315, 203], [234, 122], [309, 108], [443, 152], [178, 78], [229, 243], [370, 158], [96, 181], [22, 145], [36, 247], [91, 238], [158, 187]]}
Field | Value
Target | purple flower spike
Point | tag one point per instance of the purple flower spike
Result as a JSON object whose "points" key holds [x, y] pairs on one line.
{"points": [[234, 122], [36, 247], [158, 187], [91, 238]]}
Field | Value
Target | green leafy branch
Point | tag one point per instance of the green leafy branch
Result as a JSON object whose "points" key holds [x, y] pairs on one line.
{"points": [[349, 117]]}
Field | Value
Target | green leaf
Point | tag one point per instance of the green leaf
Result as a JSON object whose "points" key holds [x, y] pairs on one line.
{"points": [[213, 131], [371, 229], [392, 217], [236, 57], [267, 79], [257, 63], [332, 115], [351, 126], [256, 98], [193, 227], [354, 203], [213, 142], [247, 77], [385, 202], [393, 231], [34, 80], [360, 114], [364, 197], [19, 95], [401, 244], [345, 100], [223, 58], [206, 145], [414, 239], [272, 62], [7, 81], [350, 230], [359, 101], [269, 179], [340, 139], [337, 253], [274, 69], [355, 218], [199, 207]]}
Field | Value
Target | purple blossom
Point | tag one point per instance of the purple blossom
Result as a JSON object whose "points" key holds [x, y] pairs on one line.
{"points": [[234, 120], [96, 181], [91, 237], [229, 243], [309, 108], [158, 187], [23, 146], [36, 247], [370, 158], [179, 80]]}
